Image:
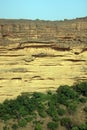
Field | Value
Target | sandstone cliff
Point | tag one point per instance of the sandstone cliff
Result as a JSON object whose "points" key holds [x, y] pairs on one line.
{"points": [[41, 55]]}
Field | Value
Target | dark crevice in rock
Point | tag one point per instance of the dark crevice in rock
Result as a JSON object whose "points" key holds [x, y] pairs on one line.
{"points": [[37, 78], [61, 48], [74, 60], [18, 78], [11, 55], [40, 55], [49, 65], [2, 78], [76, 53], [1, 86], [36, 41], [50, 78]]}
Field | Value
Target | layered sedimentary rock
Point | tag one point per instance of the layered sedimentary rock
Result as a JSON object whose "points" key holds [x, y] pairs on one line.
{"points": [[41, 55]]}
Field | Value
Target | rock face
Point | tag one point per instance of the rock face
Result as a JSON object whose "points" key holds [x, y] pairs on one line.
{"points": [[41, 55]]}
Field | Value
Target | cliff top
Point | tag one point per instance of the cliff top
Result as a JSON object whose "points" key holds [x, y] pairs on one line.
{"points": [[64, 33]]}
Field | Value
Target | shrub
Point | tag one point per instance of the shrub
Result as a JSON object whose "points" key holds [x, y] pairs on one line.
{"points": [[75, 128], [53, 113], [22, 123], [42, 113], [14, 126], [40, 97], [83, 126], [72, 107], [66, 122], [22, 111], [81, 88], [28, 118], [52, 125], [5, 117], [61, 111], [6, 128], [65, 93], [82, 100], [55, 118], [38, 126]]}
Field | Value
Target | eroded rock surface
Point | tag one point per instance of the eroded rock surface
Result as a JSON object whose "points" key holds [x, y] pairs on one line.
{"points": [[41, 55]]}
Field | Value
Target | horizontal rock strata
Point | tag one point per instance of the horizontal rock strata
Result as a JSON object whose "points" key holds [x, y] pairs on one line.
{"points": [[41, 55]]}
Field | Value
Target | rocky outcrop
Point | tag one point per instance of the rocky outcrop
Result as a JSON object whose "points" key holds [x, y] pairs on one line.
{"points": [[41, 55], [61, 32]]}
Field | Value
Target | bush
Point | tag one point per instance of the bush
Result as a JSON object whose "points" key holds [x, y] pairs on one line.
{"points": [[22, 123], [83, 126], [14, 126], [5, 117], [72, 107], [52, 125], [61, 111], [66, 122], [82, 100], [53, 113], [42, 113], [6, 128], [38, 126], [22, 111], [75, 128], [55, 118], [40, 97], [81, 88], [28, 118], [65, 93]]}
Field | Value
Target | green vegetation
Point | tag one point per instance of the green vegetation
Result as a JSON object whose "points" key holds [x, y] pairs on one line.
{"points": [[66, 122], [38, 126], [54, 108], [22, 123], [14, 126], [52, 125]]}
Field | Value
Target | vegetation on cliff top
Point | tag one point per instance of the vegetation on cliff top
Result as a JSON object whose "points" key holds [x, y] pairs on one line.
{"points": [[65, 108]]}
